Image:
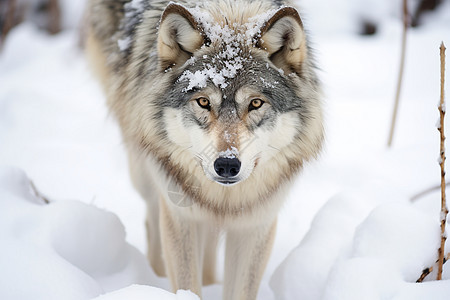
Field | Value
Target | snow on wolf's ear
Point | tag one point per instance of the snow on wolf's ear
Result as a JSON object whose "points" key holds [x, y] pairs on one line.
{"points": [[283, 37], [178, 36]]}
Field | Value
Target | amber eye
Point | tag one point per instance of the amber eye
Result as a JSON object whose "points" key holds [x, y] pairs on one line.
{"points": [[204, 103], [255, 104]]}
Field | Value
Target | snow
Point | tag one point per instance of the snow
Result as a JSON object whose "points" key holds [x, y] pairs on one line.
{"points": [[442, 106], [231, 152], [199, 78], [349, 229], [124, 44], [218, 76], [137, 292], [267, 84], [230, 35], [132, 16], [63, 249]]}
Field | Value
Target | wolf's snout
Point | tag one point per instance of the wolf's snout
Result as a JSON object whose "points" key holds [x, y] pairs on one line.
{"points": [[227, 167]]}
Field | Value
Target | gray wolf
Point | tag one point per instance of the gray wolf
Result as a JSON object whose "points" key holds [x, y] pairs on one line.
{"points": [[220, 107]]}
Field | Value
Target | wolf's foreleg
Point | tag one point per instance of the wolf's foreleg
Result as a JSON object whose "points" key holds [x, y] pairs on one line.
{"points": [[210, 239], [180, 244], [144, 183], [247, 252], [154, 252]]}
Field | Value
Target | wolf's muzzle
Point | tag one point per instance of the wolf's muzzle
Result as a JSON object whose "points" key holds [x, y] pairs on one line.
{"points": [[227, 167]]}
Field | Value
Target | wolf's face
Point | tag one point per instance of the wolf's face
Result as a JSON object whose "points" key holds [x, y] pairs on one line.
{"points": [[236, 97], [231, 130]]}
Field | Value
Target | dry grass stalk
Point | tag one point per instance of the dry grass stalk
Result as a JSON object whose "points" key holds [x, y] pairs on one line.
{"points": [[400, 73], [38, 194], [444, 210]]}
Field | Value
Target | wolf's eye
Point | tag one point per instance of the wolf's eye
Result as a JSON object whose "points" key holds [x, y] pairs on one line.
{"points": [[204, 103], [255, 104]]}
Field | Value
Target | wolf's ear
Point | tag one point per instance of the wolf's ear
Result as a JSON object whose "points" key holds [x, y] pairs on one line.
{"points": [[283, 37], [178, 36]]}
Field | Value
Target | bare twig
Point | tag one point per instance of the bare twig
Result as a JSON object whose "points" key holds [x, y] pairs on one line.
{"points": [[444, 210], [38, 194], [427, 271], [427, 191], [424, 274], [400, 73], [54, 17], [8, 20]]}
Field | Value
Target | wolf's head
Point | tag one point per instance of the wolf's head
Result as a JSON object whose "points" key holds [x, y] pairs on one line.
{"points": [[243, 93]]}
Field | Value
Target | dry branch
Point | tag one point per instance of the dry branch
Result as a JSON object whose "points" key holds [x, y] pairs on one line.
{"points": [[424, 274], [400, 73], [427, 271], [444, 210]]}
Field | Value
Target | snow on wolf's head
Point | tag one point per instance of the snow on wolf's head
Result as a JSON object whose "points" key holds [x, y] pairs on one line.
{"points": [[244, 96]]}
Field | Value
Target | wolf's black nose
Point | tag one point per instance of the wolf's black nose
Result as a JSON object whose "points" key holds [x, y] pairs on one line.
{"points": [[227, 167]]}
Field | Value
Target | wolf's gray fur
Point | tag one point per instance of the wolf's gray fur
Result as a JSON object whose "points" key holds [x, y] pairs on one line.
{"points": [[185, 78]]}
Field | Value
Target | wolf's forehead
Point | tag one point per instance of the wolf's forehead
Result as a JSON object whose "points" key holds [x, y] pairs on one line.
{"points": [[256, 77], [221, 68], [225, 73]]}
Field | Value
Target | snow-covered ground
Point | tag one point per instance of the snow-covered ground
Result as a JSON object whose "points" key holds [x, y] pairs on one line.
{"points": [[349, 229]]}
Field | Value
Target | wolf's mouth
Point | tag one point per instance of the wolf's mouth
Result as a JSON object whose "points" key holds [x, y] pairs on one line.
{"points": [[226, 172], [227, 182]]}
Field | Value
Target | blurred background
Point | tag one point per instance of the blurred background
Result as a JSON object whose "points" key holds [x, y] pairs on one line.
{"points": [[357, 16], [54, 125]]}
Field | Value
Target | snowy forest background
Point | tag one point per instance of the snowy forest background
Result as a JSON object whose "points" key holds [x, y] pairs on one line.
{"points": [[357, 224]]}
